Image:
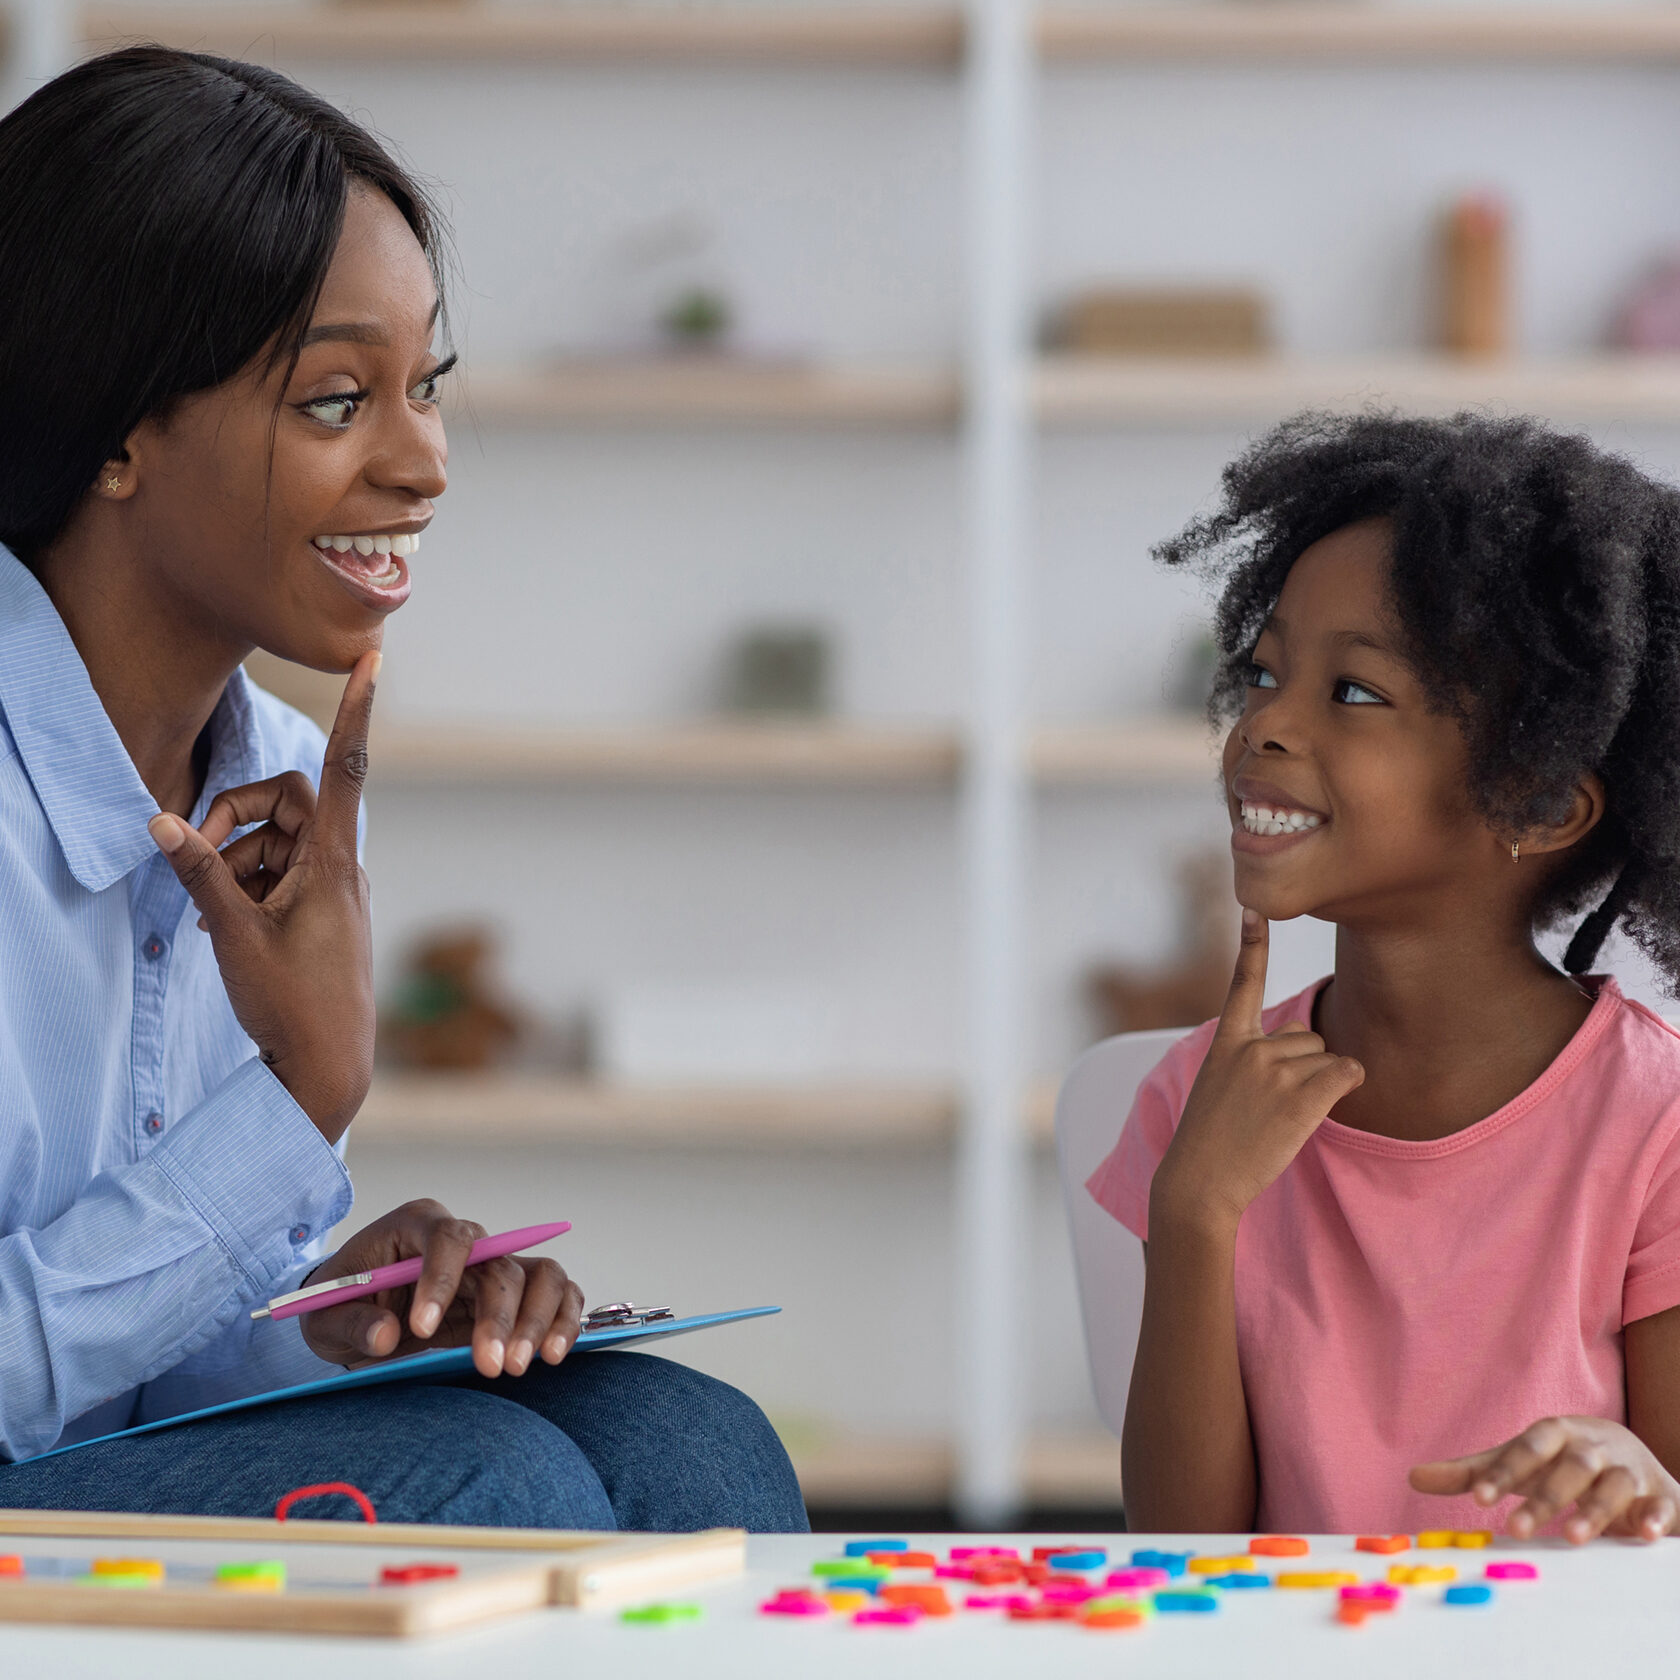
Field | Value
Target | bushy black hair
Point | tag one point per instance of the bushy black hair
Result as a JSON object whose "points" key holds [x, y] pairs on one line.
{"points": [[1536, 581], [165, 217]]}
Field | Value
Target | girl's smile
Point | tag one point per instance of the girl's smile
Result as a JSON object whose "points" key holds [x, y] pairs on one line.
{"points": [[1266, 818]]}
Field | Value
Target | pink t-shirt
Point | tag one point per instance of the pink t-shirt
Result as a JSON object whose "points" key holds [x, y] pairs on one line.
{"points": [[1399, 1302]]}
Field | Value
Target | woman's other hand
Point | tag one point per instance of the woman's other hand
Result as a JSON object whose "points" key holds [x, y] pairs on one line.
{"points": [[1256, 1100], [507, 1309], [1609, 1475], [287, 912]]}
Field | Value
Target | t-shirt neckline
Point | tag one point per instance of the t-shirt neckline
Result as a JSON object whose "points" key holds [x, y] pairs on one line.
{"points": [[1607, 998]]}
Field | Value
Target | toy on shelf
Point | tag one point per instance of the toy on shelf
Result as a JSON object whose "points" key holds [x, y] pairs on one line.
{"points": [[1161, 321], [1475, 277], [1648, 321], [777, 671], [1192, 988], [448, 1013]]}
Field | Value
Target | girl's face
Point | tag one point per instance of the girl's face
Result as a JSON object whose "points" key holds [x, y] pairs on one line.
{"points": [[239, 491], [1347, 793]]}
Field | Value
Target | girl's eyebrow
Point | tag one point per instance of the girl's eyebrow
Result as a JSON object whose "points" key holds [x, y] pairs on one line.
{"points": [[1364, 639]]}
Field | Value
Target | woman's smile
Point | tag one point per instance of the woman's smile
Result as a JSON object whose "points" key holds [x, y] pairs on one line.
{"points": [[371, 565]]}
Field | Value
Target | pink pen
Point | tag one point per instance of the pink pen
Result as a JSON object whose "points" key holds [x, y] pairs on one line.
{"points": [[357, 1284]]}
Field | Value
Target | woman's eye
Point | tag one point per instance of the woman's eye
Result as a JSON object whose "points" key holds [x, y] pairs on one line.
{"points": [[427, 390], [336, 410], [1260, 677], [1350, 693]]}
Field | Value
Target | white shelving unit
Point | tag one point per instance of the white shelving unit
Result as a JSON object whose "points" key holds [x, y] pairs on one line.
{"points": [[995, 401]]}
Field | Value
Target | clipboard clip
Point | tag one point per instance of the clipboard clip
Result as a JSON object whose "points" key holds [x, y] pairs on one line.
{"points": [[625, 1315]]}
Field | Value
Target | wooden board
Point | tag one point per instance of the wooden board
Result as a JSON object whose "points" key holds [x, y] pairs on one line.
{"points": [[333, 1584]]}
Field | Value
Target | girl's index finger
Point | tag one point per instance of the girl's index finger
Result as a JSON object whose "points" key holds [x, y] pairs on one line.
{"points": [[344, 769], [1240, 1018]]}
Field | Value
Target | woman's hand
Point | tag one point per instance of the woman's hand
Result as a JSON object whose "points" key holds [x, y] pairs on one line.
{"points": [[505, 1308], [1256, 1100], [1606, 1472], [287, 911]]}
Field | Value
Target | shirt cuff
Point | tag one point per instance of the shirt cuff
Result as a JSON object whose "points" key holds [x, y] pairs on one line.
{"points": [[259, 1173]]}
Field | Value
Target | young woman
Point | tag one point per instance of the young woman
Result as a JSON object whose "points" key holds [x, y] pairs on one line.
{"points": [[1414, 1235], [219, 301]]}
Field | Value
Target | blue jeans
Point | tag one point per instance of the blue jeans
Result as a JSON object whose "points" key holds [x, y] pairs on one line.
{"points": [[604, 1440]]}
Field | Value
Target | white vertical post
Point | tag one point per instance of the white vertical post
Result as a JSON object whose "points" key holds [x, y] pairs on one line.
{"points": [[41, 43], [993, 1157]]}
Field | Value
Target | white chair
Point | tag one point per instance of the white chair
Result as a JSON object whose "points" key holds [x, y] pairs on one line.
{"points": [[1095, 1099]]}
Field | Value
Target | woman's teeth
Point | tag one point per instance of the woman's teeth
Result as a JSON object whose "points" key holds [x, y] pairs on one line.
{"points": [[1262, 819], [404, 544]]}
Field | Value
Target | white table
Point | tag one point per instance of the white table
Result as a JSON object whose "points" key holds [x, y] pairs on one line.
{"points": [[1609, 1607]]}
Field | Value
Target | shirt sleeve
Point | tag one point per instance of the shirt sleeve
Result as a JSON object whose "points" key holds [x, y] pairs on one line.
{"points": [[163, 1257], [1652, 1281], [1120, 1186]]}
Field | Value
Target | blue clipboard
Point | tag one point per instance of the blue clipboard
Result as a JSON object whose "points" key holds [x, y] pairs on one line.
{"points": [[420, 1367]]}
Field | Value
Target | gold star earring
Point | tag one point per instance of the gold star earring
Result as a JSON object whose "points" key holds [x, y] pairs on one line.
{"points": [[113, 485], [1516, 851]]}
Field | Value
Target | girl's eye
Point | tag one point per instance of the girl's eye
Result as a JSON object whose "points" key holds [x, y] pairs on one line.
{"points": [[1260, 677], [1350, 693], [338, 410]]}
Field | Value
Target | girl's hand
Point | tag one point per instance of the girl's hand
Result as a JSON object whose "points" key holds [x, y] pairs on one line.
{"points": [[505, 1308], [1606, 1472], [1256, 1100], [287, 912]]}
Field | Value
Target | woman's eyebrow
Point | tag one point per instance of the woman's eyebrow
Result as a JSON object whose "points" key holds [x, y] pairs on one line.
{"points": [[360, 332]]}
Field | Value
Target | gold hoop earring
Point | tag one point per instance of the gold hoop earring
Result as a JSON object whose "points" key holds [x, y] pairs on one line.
{"points": [[1516, 851]]}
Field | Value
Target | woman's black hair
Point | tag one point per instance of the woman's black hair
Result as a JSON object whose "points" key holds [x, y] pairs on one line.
{"points": [[1536, 582], [165, 218]]}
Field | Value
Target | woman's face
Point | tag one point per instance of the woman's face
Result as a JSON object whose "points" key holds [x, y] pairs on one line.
{"points": [[1347, 784], [252, 502]]}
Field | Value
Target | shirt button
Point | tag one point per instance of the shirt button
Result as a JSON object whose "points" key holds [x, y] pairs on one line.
{"points": [[155, 946], [154, 1124], [299, 1233]]}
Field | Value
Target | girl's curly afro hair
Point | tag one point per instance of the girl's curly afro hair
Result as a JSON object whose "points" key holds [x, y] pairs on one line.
{"points": [[1536, 580]]}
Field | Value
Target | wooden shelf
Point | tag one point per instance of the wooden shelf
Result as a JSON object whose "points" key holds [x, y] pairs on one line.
{"points": [[866, 35], [1146, 751], [716, 754], [1368, 33], [678, 390], [411, 1108], [1069, 1470], [1094, 390]]}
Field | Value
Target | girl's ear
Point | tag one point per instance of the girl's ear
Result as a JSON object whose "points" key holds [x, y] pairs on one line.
{"points": [[1586, 809]]}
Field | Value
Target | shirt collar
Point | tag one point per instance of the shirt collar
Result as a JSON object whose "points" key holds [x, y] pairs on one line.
{"points": [[92, 795]]}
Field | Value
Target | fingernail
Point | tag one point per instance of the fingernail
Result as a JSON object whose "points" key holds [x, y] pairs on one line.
{"points": [[556, 1347], [426, 1320], [166, 832], [519, 1356], [371, 1340], [496, 1355], [1251, 920], [378, 661], [1486, 1493]]}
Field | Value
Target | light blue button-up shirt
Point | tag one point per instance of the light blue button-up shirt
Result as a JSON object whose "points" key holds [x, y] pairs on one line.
{"points": [[156, 1180]]}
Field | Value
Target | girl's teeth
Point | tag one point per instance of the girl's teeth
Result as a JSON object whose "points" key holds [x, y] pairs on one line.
{"points": [[1262, 819]]}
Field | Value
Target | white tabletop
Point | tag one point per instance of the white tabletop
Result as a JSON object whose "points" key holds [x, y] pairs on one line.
{"points": [[1606, 1605]]}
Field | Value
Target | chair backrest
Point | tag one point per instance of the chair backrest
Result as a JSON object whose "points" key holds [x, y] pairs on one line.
{"points": [[1092, 1107]]}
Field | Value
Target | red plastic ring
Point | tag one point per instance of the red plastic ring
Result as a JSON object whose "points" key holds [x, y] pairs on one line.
{"points": [[288, 1500]]}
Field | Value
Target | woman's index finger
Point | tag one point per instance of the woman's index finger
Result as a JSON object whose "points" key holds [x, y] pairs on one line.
{"points": [[1243, 1003], [345, 767]]}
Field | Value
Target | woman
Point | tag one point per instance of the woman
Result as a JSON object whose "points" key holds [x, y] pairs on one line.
{"points": [[218, 305]]}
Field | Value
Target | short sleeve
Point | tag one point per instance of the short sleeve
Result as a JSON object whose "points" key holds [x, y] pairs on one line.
{"points": [[1120, 1186], [1652, 1281]]}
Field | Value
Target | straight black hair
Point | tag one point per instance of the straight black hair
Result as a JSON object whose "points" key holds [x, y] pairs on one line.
{"points": [[165, 219]]}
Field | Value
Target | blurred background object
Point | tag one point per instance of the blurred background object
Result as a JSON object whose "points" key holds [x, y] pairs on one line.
{"points": [[447, 1012], [786, 680], [1476, 278]]}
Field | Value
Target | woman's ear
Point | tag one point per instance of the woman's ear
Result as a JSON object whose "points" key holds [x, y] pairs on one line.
{"points": [[118, 478], [1586, 810]]}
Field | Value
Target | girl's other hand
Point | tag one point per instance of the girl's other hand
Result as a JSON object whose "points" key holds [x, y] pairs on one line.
{"points": [[287, 911], [507, 1309], [1256, 1100], [1606, 1472]]}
